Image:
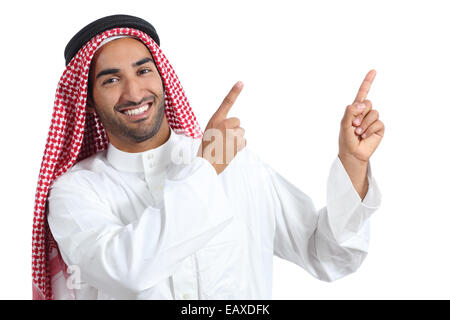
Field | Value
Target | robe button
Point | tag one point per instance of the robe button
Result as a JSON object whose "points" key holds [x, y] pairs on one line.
{"points": [[186, 296]]}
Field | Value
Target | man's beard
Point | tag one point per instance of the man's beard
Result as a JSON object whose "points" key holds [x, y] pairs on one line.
{"points": [[120, 129]]}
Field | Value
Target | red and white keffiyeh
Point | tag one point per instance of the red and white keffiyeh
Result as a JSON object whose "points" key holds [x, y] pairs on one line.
{"points": [[75, 135]]}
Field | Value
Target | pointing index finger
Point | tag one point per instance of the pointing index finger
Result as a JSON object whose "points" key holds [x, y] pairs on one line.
{"points": [[365, 87], [229, 100]]}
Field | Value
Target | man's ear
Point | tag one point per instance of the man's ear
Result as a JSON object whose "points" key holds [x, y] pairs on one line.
{"points": [[90, 106]]}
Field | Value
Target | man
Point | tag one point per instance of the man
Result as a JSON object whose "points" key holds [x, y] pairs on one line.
{"points": [[144, 206]]}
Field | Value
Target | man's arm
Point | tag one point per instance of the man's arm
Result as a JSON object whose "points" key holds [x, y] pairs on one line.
{"points": [[329, 243], [124, 260], [334, 241]]}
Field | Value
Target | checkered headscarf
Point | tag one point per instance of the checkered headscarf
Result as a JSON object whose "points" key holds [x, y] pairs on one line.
{"points": [[75, 135]]}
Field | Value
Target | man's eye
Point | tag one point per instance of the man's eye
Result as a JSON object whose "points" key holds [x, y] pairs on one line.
{"points": [[110, 80], [144, 71]]}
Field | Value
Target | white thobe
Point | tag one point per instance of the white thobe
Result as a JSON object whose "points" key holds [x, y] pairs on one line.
{"points": [[162, 224]]}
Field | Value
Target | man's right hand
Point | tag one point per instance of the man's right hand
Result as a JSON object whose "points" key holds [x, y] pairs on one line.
{"points": [[223, 137]]}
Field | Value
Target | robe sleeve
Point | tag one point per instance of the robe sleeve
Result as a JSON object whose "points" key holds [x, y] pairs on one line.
{"points": [[329, 243], [124, 260]]}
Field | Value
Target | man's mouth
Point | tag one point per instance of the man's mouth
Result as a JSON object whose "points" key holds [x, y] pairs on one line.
{"points": [[139, 112]]}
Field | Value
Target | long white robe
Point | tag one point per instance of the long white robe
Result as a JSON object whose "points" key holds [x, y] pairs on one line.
{"points": [[163, 225]]}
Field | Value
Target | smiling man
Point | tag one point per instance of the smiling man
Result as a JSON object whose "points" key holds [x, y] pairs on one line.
{"points": [[132, 126], [135, 202]]}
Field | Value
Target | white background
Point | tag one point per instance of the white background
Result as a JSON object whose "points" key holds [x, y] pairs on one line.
{"points": [[302, 63]]}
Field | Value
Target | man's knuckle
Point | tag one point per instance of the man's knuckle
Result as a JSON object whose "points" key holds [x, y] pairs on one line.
{"points": [[227, 100], [233, 121]]}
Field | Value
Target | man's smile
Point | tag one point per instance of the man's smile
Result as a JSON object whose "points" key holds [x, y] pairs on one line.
{"points": [[138, 112]]}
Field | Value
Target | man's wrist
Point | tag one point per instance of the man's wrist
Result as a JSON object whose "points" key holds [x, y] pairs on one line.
{"points": [[357, 172]]}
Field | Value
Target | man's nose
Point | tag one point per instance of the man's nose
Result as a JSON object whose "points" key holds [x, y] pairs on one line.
{"points": [[132, 91]]}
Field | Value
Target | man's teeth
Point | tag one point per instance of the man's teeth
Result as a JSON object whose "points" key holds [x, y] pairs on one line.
{"points": [[137, 111]]}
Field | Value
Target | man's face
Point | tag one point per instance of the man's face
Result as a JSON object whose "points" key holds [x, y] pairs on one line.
{"points": [[127, 91]]}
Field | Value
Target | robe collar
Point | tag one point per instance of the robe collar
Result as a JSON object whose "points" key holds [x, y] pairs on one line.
{"points": [[151, 161]]}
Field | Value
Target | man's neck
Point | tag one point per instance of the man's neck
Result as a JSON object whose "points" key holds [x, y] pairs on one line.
{"points": [[157, 140]]}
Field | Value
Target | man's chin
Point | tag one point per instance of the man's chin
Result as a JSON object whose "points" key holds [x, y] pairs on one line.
{"points": [[139, 136], [140, 139], [138, 130]]}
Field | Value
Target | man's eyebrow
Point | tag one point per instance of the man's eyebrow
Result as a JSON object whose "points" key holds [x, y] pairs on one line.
{"points": [[115, 70], [142, 61], [106, 72]]}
